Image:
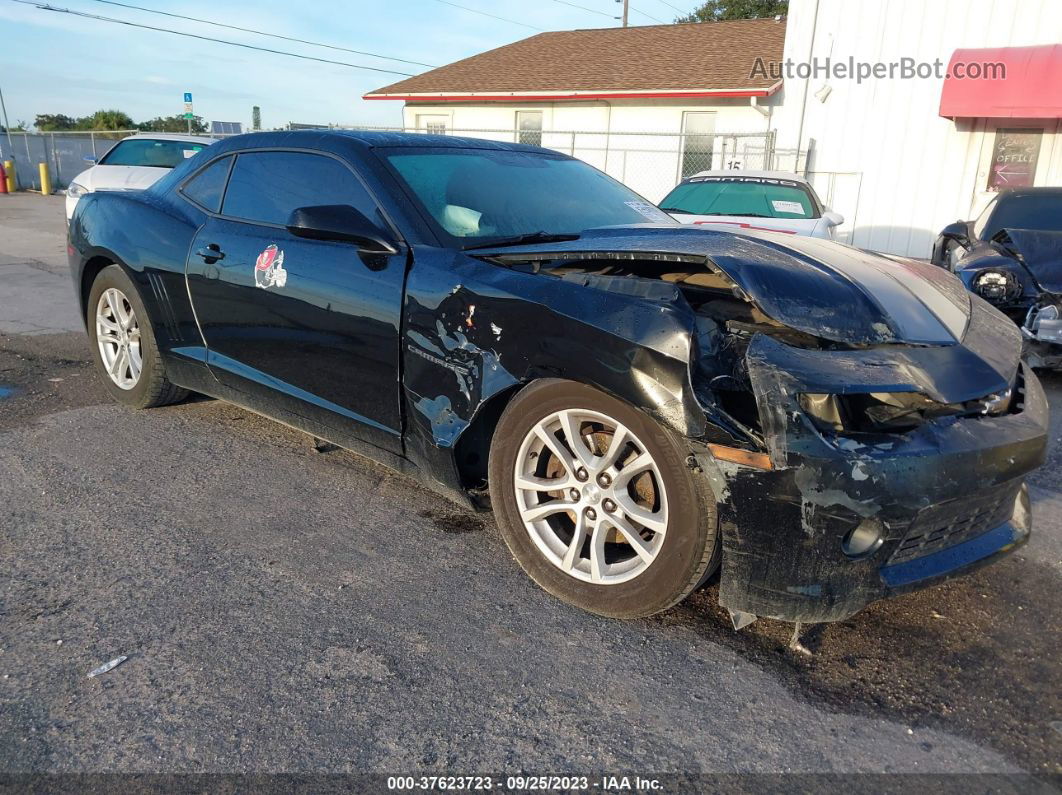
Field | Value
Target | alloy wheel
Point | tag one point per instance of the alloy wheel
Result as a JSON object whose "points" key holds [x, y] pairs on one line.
{"points": [[590, 496], [118, 337]]}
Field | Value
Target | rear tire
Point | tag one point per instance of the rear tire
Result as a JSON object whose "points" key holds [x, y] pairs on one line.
{"points": [[617, 524], [123, 343]]}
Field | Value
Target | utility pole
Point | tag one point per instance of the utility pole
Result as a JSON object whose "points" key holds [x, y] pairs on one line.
{"points": [[626, 3], [7, 128]]}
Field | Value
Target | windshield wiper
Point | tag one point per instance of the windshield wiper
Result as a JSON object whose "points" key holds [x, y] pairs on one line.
{"points": [[745, 215], [519, 240], [676, 210]]}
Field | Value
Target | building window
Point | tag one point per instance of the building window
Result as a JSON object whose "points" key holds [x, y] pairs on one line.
{"points": [[697, 142], [529, 127], [1014, 156], [432, 123]]}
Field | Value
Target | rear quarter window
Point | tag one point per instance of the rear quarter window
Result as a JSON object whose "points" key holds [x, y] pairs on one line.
{"points": [[208, 186]]}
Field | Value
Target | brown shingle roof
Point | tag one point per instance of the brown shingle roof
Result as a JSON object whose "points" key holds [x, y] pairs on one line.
{"points": [[708, 56]]}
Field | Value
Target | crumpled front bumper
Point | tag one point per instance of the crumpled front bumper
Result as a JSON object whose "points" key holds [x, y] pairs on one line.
{"points": [[949, 497], [1043, 334]]}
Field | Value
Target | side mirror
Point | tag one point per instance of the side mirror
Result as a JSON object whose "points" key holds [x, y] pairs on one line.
{"points": [[959, 232], [339, 222], [89, 159], [832, 218]]}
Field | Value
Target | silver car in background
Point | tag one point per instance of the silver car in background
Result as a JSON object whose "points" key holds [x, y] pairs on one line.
{"points": [[775, 201]]}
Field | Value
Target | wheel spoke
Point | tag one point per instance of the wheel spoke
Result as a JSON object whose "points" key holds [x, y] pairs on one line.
{"points": [[640, 463], [570, 425], [544, 509], [651, 520], [640, 546], [557, 449], [116, 364], [107, 323], [597, 552], [535, 483], [114, 301], [110, 337], [615, 447], [576, 545], [134, 365]]}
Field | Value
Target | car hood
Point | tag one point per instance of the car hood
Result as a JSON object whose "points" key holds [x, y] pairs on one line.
{"points": [[1041, 253], [120, 177], [826, 289], [792, 226]]}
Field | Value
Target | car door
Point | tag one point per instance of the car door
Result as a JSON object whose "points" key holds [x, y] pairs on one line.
{"points": [[306, 330]]}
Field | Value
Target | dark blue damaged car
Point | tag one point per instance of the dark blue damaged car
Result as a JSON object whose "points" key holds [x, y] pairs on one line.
{"points": [[1011, 255], [641, 403]]}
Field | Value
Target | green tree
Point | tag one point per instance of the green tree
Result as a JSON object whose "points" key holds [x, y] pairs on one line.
{"points": [[173, 124], [51, 122], [106, 120], [718, 10]]}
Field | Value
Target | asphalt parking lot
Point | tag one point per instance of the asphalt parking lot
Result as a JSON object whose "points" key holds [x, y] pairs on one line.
{"points": [[284, 609]]}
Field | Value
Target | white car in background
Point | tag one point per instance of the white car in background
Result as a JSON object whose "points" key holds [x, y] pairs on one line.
{"points": [[776, 201], [134, 163]]}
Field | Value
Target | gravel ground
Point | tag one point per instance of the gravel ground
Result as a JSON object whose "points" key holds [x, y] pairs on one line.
{"points": [[286, 610]]}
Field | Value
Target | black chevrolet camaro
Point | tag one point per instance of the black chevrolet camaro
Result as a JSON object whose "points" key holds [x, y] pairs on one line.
{"points": [[640, 402]]}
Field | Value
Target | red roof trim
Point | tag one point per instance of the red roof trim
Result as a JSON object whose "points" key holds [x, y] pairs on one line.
{"points": [[706, 94], [1032, 88]]}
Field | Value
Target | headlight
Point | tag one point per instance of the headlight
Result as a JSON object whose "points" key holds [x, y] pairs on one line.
{"points": [[996, 286], [892, 412], [75, 190]]}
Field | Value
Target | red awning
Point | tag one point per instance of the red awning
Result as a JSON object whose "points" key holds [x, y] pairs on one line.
{"points": [[1031, 88]]}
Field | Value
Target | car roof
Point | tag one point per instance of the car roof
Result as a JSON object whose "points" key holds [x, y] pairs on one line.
{"points": [[1031, 191], [198, 139], [374, 138], [741, 172]]}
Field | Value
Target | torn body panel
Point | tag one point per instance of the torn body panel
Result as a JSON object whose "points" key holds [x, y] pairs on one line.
{"points": [[788, 525]]}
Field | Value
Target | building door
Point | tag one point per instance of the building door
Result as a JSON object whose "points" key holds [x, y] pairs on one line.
{"points": [[433, 123], [697, 142], [529, 127]]}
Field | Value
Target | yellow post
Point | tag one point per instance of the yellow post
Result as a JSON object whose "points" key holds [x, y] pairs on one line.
{"points": [[46, 181], [9, 169]]}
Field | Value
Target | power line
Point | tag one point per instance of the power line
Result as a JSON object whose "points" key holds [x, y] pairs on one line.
{"points": [[665, 2], [46, 7], [638, 10], [584, 8], [492, 16], [261, 32]]}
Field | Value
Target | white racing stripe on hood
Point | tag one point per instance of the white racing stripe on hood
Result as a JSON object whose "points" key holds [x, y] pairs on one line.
{"points": [[920, 311]]}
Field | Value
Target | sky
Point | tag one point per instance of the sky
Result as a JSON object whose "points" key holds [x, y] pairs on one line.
{"points": [[59, 63]]}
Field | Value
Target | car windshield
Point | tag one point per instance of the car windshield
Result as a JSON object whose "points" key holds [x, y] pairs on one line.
{"points": [[156, 153], [1028, 211], [476, 196], [749, 196]]}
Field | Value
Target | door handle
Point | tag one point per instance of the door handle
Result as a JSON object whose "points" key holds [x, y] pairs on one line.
{"points": [[211, 254]]}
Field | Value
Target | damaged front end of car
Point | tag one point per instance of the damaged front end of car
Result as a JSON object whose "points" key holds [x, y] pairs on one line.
{"points": [[843, 407]]}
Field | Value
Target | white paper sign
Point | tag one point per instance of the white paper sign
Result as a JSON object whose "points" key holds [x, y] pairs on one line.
{"points": [[652, 212], [788, 207]]}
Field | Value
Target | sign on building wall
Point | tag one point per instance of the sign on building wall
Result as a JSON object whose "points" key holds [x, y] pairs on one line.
{"points": [[1014, 159]]}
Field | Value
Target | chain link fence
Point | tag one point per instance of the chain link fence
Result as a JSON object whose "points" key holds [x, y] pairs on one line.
{"points": [[651, 163]]}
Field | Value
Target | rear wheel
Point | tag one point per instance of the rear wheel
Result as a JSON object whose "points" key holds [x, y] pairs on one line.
{"points": [[123, 343], [596, 503]]}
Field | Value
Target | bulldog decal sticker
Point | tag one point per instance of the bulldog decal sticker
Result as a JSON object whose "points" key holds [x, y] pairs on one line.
{"points": [[269, 268]]}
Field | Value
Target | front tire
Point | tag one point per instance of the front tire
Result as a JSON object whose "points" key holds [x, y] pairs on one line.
{"points": [[596, 503], [123, 343]]}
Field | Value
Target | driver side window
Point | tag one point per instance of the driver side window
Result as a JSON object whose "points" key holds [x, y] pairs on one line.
{"points": [[265, 187]]}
